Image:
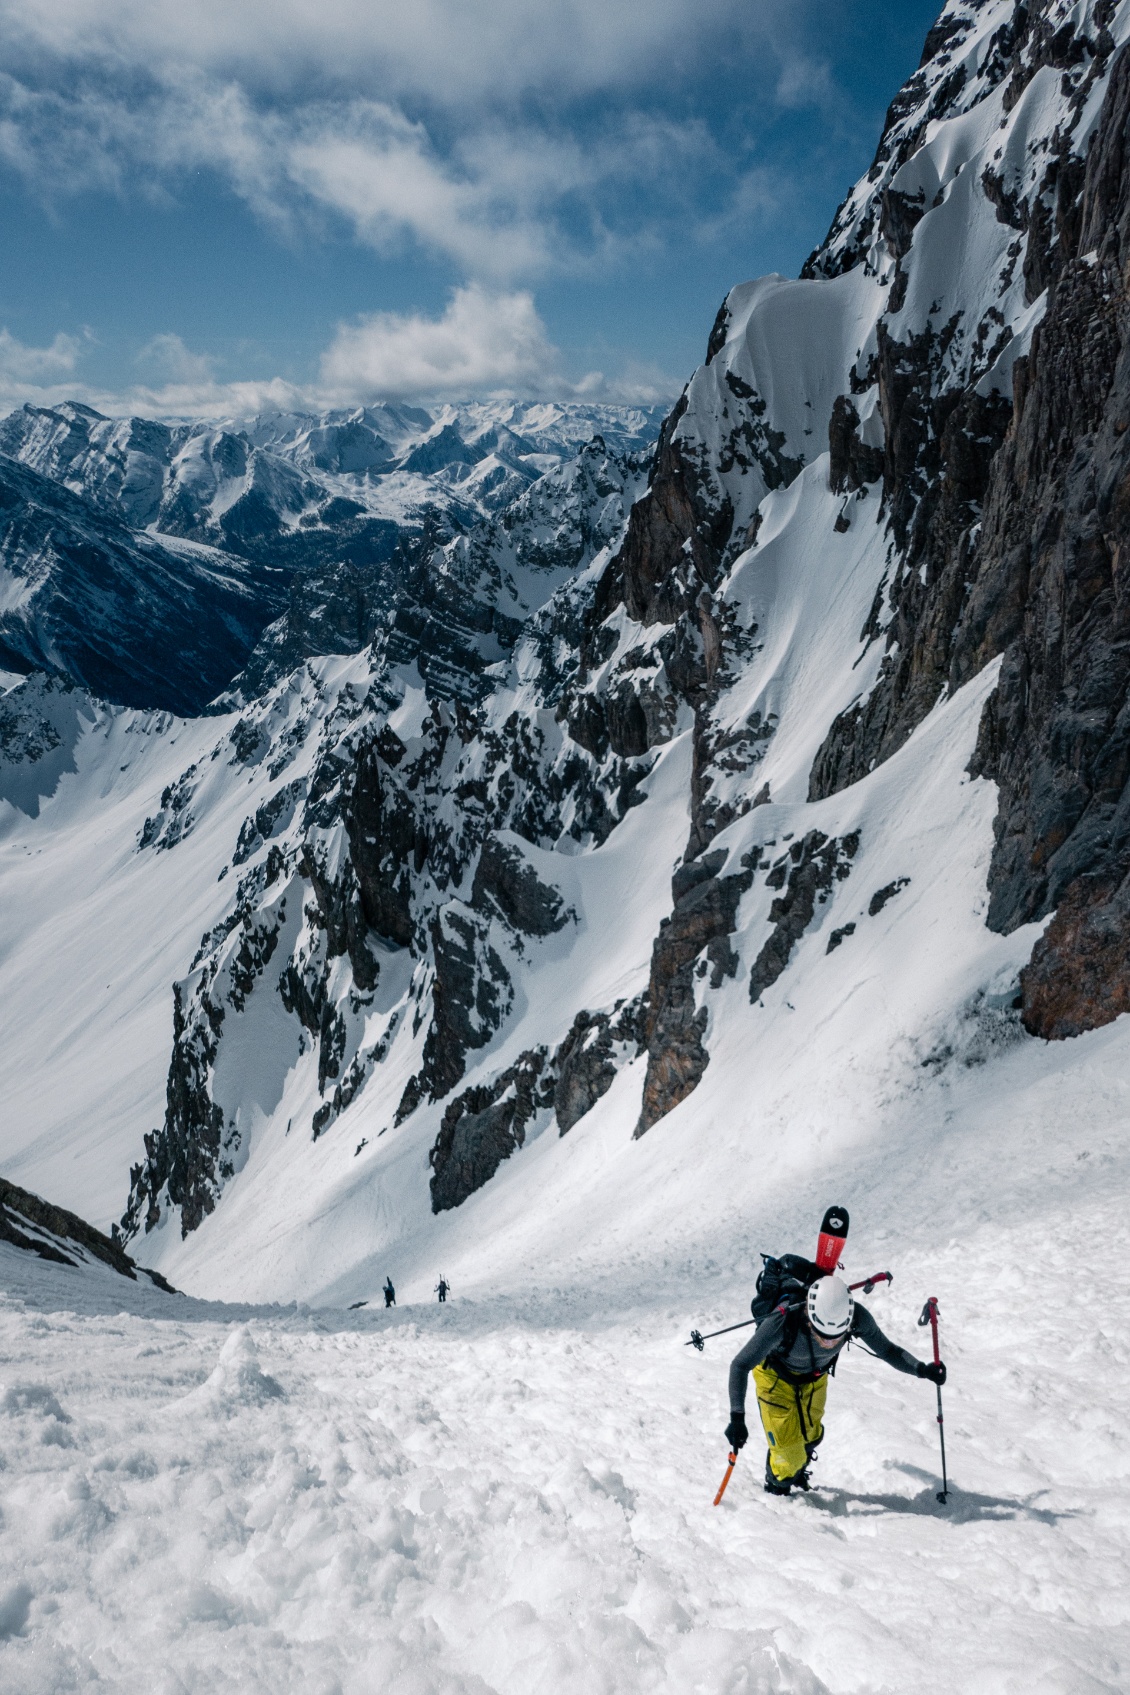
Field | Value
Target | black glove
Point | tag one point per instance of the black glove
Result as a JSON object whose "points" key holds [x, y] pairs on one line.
{"points": [[736, 1433], [936, 1373]]}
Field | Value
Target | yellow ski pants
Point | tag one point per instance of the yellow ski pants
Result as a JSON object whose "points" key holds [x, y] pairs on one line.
{"points": [[793, 1415]]}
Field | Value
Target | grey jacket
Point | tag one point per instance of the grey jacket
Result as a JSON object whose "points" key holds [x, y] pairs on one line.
{"points": [[806, 1359]]}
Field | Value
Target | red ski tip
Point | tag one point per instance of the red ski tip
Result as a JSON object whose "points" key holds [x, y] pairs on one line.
{"points": [[833, 1235]]}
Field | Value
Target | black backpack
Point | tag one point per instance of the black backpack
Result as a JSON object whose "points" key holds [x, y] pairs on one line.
{"points": [[783, 1282]]}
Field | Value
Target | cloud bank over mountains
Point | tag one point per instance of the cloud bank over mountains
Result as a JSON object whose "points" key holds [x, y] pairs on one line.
{"points": [[483, 343]]}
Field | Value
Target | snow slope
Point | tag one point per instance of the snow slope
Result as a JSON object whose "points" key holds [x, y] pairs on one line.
{"points": [[513, 1493], [301, 1215]]}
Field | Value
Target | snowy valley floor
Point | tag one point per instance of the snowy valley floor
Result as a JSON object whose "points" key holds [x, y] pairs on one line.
{"points": [[513, 1494]]}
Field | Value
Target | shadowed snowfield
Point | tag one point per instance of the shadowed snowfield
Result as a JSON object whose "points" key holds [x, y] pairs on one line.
{"points": [[513, 1493]]}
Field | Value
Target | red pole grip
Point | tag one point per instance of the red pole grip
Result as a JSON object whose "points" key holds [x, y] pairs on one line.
{"points": [[868, 1283], [932, 1304]]}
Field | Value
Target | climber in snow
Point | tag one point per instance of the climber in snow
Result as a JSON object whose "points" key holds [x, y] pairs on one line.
{"points": [[441, 1288], [791, 1354], [390, 1293]]}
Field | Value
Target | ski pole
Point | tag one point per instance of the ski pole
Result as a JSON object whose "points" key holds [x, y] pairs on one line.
{"points": [[930, 1317], [726, 1479], [697, 1339]]}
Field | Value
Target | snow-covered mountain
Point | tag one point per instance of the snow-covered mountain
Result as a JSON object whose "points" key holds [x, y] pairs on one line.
{"points": [[151, 563], [731, 826], [138, 618], [279, 481], [453, 600]]}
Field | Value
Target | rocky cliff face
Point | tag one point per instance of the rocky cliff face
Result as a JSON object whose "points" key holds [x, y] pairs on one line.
{"points": [[1000, 501], [1050, 595], [33, 1224]]}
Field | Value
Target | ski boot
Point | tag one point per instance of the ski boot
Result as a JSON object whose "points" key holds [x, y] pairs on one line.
{"points": [[775, 1485]]}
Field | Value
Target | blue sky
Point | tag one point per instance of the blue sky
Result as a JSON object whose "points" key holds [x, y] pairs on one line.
{"points": [[216, 205]]}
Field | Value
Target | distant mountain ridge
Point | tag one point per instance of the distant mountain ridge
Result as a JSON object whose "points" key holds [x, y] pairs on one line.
{"points": [[137, 618], [250, 483], [150, 561]]}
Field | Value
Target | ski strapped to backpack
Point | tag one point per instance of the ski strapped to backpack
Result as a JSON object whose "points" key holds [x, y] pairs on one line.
{"points": [[787, 1279], [697, 1340], [833, 1235]]}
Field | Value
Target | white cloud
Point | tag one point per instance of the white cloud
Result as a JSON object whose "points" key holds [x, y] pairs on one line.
{"points": [[379, 171], [22, 364], [490, 205], [454, 53], [47, 376], [804, 81], [413, 124], [167, 356], [212, 399], [483, 343], [638, 383]]}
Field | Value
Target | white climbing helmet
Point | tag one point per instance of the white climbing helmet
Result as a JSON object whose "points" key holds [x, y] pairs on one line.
{"points": [[830, 1306]]}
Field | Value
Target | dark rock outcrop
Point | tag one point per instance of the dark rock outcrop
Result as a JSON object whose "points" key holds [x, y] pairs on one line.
{"points": [[936, 468], [881, 896], [483, 1126], [62, 1236], [853, 464], [471, 996], [806, 874], [506, 883], [185, 1154], [1077, 978], [676, 538], [585, 1064], [385, 839], [704, 915], [585, 1069], [191, 1156]]}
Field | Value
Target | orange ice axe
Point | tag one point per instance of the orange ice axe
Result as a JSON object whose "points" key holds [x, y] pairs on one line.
{"points": [[725, 1480]]}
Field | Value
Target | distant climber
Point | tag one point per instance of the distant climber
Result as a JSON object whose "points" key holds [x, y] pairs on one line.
{"points": [[791, 1355], [390, 1293], [441, 1289]]}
